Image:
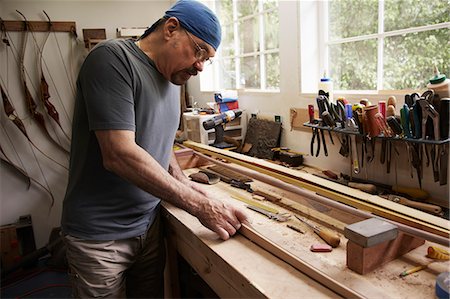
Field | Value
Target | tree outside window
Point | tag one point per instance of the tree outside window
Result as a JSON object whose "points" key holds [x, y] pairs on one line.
{"points": [[387, 45]]}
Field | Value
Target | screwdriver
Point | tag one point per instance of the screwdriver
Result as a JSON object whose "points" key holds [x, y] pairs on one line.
{"points": [[328, 236]]}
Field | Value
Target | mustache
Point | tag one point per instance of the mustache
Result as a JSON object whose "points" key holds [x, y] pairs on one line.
{"points": [[192, 71]]}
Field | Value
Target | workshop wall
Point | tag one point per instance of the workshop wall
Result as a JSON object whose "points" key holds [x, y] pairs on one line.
{"points": [[290, 96], [17, 198]]}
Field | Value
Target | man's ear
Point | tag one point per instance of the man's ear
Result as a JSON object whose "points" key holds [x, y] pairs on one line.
{"points": [[172, 24]]}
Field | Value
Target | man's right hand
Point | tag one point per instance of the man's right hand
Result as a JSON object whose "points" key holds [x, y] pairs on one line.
{"points": [[223, 219]]}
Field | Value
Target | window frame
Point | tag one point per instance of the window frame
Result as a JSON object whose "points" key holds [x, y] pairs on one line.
{"points": [[213, 74], [325, 43]]}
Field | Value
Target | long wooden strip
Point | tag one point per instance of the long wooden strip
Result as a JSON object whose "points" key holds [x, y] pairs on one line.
{"points": [[297, 263]]}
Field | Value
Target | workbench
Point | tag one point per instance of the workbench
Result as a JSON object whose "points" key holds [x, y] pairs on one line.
{"points": [[240, 268]]}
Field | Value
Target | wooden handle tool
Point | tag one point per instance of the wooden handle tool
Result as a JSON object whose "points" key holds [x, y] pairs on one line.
{"points": [[414, 204], [327, 235]]}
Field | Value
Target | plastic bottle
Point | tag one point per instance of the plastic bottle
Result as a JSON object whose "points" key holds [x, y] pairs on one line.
{"points": [[440, 84], [326, 85]]}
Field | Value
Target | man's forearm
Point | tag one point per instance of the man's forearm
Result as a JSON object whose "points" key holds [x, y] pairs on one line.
{"points": [[135, 165], [175, 169]]}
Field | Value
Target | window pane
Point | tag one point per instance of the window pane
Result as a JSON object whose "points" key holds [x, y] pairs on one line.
{"points": [[227, 43], [273, 71], [409, 59], [250, 72], [268, 4], [353, 66], [400, 14], [271, 25], [227, 74], [352, 18], [246, 7], [225, 11], [249, 35]]}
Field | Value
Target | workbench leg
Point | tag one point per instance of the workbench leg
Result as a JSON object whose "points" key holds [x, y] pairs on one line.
{"points": [[171, 274]]}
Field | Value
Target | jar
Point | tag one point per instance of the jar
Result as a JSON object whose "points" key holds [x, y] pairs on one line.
{"points": [[440, 84]]}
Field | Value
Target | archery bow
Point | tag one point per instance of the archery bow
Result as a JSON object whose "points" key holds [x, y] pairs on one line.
{"points": [[44, 88], [74, 33], [12, 115], [8, 161], [31, 104]]}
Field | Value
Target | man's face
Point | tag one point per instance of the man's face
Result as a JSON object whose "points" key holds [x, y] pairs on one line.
{"points": [[193, 54]]}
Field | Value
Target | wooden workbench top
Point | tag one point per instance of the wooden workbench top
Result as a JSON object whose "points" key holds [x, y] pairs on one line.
{"points": [[240, 268]]}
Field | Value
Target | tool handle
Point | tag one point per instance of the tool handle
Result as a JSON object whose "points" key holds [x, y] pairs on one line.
{"points": [[417, 111], [311, 113], [268, 196], [355, 160], [328, 236], [419, 205], [413, 192], [369, 188]]}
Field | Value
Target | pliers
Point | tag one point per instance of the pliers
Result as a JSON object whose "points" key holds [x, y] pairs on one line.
{"points": [[324, 105], [315, 131]]}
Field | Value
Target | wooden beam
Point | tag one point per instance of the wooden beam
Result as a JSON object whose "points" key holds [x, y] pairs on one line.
{"points": [[38, 26]]}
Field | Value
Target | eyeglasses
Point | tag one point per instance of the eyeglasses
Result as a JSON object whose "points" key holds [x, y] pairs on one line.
{"points": [[200, 54]]}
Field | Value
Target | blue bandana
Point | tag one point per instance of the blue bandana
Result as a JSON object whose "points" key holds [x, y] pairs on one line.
{"points": [[196, 18]]}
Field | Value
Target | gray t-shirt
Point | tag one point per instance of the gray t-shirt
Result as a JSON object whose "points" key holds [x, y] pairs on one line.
{"points": [[118, 88]]}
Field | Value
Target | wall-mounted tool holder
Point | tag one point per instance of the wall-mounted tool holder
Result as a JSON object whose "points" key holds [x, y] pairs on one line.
{"points": [[381, 137], [417, 150]]}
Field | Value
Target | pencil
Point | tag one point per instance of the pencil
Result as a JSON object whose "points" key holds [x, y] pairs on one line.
{"points": [[412, 270]]}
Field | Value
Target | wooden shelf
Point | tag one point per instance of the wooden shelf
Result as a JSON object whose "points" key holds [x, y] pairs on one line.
{"points": [[39, 26]]}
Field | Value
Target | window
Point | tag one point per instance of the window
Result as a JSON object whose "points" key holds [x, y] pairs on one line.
{"points": [[249, 53], [386, 45]]}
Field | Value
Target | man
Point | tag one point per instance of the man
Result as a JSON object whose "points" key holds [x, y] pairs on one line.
{"points": [[122, 164]]}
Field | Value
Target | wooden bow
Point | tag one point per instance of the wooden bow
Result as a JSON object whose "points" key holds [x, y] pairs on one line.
{"points": [[21, 171], [44, 88], [30, 102], [12, 116]]}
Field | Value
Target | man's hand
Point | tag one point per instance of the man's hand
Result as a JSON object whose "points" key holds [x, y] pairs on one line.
{"points": [[223, 219]]}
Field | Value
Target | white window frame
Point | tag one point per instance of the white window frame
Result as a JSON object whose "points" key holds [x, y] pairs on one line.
{"points": [[210, 77]]}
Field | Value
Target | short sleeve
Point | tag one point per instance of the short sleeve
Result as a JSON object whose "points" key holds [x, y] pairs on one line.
{"points": [[106, 84]]}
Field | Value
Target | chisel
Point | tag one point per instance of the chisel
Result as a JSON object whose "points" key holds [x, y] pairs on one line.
{"points": [[411, 192], [328, 236], [434, 209], [369, 188]]}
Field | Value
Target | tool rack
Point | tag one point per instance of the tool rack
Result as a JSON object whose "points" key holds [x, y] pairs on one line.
{"points": [[439, 143], [381, 137]]}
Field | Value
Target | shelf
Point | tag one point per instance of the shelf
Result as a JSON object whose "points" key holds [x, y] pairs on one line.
{"points": [[402, 139]]}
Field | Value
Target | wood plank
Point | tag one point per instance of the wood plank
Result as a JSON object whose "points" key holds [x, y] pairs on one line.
{"points": [[298, 116], [40, 26]]}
